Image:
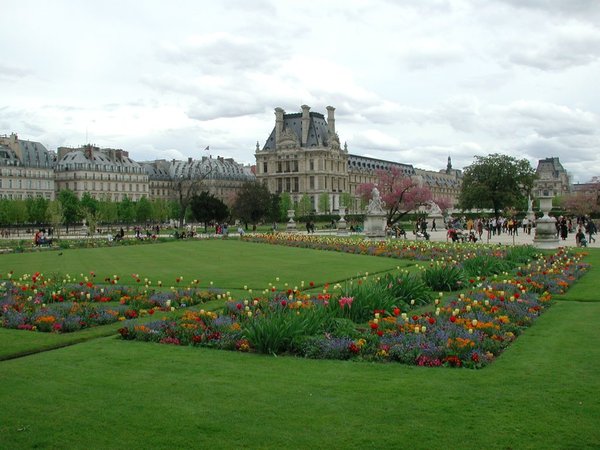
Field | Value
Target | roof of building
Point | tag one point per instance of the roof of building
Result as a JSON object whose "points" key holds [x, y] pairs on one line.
{"points": [[7, 156], [211, 168], [94, 158], [357, 162], [28, 153], [318, 133]]}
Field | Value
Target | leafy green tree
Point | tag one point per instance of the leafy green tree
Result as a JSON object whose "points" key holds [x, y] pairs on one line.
{"points": [[304, 206], [143, 211], [285, 204], [69, 206], [89, 209], [252, 203], [55, 211], [126, 211], [37, 210], [324, 203], [160, 210], [496, 182], [346, 200], [206, 208], [108, 212]]}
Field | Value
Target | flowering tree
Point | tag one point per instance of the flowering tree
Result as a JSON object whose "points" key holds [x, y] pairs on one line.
{"points": [[400, 193]]}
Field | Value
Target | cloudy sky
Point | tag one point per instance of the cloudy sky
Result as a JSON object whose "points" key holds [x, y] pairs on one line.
{"points": [[412, 81]]}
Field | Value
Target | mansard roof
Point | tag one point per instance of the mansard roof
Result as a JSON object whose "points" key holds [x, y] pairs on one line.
{"points": [[94, 158], [318, 135], [7, 156], [211, 168], [365, 163]]}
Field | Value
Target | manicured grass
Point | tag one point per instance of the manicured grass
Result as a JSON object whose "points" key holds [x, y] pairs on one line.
{"points": [[108, 393], [229, 264]]}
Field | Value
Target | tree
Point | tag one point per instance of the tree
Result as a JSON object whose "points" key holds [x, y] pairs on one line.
{"points": [[285, 204], [304, 206], [400, 193], [207, 208], [108, 211], [160, 210], [89, 209], [324, 203], [252, 203], [37, 210], [70, 207], [126, 211], [143, 210], [346, 200], [496, 182], [581, 203], [186, 185]]}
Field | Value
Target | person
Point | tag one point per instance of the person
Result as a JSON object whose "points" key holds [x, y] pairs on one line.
{"points": [[433, 228], [580, 238], [240, 231], [591, 230], [308, 227]]}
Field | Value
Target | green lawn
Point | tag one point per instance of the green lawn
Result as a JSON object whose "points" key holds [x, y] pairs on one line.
{"points": [[108, 393], [229, 264]]}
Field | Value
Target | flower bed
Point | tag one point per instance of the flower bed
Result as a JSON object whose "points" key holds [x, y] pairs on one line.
{"points": [[414, 250], [466, 330], [37, 303]]}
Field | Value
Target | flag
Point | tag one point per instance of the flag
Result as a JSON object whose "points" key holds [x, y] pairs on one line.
{"points": [[207, 148]]}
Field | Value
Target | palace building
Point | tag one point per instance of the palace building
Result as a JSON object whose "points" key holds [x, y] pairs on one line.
{"points": [[303, 156]]}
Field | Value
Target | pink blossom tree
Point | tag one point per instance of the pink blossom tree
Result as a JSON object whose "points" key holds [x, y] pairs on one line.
{"points": [[400, 193]]}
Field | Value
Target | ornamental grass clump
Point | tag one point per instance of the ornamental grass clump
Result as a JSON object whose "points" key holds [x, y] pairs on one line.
{"points": [[407, 290], [485, 265], [444, 276], [283, 329]]}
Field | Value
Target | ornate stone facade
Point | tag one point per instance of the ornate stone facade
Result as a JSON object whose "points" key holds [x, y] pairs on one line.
{"points": [[303, 156], [552, 179]]}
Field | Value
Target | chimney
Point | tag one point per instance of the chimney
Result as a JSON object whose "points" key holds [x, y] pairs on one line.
{"points": [[305, 124], [331, 120], [189, 159], [278, 124]]}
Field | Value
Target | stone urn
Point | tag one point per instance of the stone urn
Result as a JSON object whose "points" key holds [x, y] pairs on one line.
{"points": [[545, 229]]}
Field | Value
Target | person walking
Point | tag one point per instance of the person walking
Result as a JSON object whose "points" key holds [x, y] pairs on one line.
{"points": [[591, 231]]}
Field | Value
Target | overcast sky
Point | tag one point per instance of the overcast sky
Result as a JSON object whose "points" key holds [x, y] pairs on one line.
{"points": [[412, 81]]}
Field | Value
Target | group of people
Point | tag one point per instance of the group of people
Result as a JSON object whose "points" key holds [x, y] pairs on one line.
{"points": [[41, 238], [583, 225]]}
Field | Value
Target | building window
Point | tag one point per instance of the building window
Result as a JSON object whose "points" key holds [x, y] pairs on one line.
{"points": [[312, 164], [311, 182], [264, 167], [296, 184]]}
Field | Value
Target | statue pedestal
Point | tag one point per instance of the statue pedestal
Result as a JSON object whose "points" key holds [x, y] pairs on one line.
{"points": [[342, 226], [291, 225], [375, 225], [545, 229]]}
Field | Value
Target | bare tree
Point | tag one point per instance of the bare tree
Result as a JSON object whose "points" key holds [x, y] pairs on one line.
{"points": [[187, 184]]}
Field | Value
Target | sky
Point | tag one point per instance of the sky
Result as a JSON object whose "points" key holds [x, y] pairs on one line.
{"points": [[412, 81]]}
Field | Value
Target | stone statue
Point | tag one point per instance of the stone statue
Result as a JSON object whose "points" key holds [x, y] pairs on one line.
{"points": [[375, 205], [433, 209]]}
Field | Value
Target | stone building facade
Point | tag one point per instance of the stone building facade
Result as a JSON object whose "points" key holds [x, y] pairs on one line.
{"points": [[221, 177], [303, 156], [26, 169], [106, 174], [552, 178]]}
